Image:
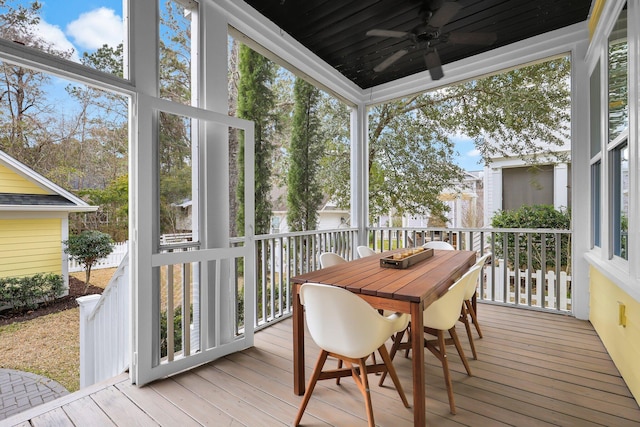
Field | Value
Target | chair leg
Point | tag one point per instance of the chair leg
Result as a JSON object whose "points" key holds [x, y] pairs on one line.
{"points": [[464, 318], [394, 348], [440, 351], [456, 342], [362, 382], [394, 376], [474, 316], [317, 370]]}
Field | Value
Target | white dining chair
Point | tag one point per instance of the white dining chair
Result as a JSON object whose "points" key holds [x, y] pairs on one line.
{"points": [[345, 326], [438, 244], [442, 315], [468, 309], [439, 317], [327, 259], [364, 251]]}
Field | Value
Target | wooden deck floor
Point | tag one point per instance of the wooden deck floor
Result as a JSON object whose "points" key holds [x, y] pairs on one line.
{"points": [[533, 369]]}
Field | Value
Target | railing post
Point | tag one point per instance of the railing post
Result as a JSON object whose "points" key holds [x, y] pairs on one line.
{"points": [[87, 357]]}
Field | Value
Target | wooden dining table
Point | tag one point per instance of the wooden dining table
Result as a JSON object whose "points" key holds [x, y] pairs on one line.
{"points": [[408, 290]]}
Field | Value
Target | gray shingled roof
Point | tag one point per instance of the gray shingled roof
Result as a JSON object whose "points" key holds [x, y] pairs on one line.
{"points": [[34, 200]]}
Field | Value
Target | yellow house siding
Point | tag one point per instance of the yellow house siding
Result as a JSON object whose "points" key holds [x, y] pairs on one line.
{"points": [[11, 182], [30, 246], [622, 343]]}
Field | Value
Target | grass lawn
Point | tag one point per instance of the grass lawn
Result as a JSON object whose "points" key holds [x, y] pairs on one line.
{"points": [[49, 345]]}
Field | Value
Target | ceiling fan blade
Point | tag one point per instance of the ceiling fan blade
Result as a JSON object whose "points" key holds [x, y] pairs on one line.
{"points": [[387, 33], [432, 59], [444, 14], [390, 60], [480, 39]]}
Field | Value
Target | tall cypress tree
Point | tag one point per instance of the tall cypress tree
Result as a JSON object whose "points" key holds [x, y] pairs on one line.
{"points": [[303, 190], [255, 103]]}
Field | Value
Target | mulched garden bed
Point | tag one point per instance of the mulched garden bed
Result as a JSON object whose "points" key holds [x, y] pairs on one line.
{"points": [[76, 289]]}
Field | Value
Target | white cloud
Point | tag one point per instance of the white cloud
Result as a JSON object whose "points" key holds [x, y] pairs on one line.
{"points": [[473, 153], [54, 35], [96, 28]]}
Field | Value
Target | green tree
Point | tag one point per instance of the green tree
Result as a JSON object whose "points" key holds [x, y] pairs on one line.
{"points": [[99, 129], [87, 248], [25, 116], [175, 145], [304, 194], [112, 214], [255, 103], [520, 113]]}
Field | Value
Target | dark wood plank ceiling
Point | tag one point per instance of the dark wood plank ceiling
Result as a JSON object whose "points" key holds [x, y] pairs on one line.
{"points": [[335, 30]]}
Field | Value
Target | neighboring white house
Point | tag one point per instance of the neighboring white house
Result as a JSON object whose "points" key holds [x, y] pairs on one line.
{"points": [[510, 183], [464, 201], [330, 217]]}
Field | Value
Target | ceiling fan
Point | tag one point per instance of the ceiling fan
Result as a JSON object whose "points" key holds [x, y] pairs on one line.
{"points": [[428, 34]]}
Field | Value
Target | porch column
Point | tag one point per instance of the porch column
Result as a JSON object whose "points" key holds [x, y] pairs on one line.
{"points": [[214, 175], [359, 171], [580, 181]]}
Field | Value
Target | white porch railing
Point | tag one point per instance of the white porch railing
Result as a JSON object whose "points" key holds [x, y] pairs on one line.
{"points": [[526, 250], [282, 256], [104, 345], [534, 290], [104, 329]]}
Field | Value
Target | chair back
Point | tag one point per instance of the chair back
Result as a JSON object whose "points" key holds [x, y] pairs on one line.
{"points": [[341, 322], [438, 244], [472, 285], [443, 313], [327, 259], [365, 251]]}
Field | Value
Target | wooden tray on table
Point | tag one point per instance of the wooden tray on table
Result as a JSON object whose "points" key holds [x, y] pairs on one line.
{"points": [[406, 261]]}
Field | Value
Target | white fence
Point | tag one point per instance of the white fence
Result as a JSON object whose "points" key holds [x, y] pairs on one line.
{"points": [[534, 290], [112, 260], [104, 329]]}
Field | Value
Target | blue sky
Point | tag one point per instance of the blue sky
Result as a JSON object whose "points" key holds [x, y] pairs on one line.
{"points": [[468, 157], [83, 25]]}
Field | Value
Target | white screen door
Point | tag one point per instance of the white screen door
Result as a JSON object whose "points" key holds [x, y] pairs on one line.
{"points": [[190, 278]]}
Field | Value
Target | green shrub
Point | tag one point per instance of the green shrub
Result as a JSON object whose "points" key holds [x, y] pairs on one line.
{"points": [[88, 248], [27, 293], [177, 330], [536, 216]]}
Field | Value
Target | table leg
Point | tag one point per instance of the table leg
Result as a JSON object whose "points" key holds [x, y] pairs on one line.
{"points": [[417, 356], [298, 343]]}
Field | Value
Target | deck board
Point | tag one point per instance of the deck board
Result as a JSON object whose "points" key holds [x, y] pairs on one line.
{"points": [[533, 369]]}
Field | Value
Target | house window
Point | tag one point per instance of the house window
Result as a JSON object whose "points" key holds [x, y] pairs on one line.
{"points": [[620, 199], [618, 87], [596, 142], [527, 186], [596, 218], [618, 129]]}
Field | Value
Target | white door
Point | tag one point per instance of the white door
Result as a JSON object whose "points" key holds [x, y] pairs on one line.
{"points": [[204, 273]]}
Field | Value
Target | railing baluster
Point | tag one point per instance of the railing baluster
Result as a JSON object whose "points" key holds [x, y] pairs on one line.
{"points": [[186, 309], [529, 269], [558, 242], [543, 268], [170, 314]]}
